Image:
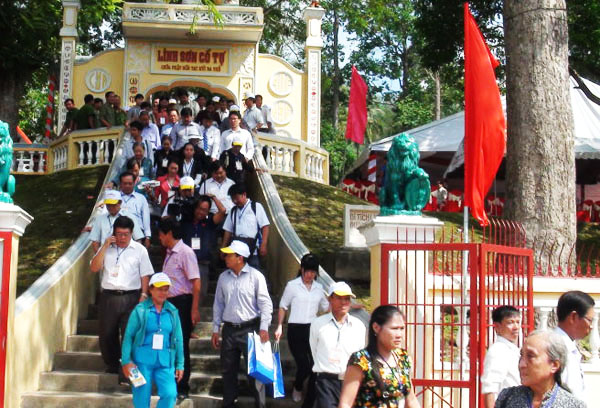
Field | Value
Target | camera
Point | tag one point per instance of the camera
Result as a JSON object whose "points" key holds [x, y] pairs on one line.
{"points": [[182, 207]]}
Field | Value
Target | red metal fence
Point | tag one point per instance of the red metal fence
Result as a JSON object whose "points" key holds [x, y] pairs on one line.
{"points": [[447, 291]]}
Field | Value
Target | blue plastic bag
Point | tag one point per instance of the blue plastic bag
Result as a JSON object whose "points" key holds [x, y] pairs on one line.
{"points": [[260, 359], [276, 388]]}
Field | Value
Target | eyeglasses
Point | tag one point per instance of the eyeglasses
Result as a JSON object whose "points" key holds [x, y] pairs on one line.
{"points": [[588, 320]]}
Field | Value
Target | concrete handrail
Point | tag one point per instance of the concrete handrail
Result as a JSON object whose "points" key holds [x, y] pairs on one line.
{"points": [[48, 311], [285, 246]]}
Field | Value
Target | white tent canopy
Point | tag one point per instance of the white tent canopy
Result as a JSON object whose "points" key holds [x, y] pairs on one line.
{"points": [[446, 135]]}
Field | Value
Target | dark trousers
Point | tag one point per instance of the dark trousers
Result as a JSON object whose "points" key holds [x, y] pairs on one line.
{"points": [[113, 314], [234, 345], [183, 303], [328, 391], [298, 339]]}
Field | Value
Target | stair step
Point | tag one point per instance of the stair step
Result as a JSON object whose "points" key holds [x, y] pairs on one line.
{"points": [[85, 361], [89, 343], [91, 327], [61, 399], [94, 381]]}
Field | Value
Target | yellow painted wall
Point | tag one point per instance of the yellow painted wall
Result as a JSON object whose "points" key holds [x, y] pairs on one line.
{"points": [[269, 65], [111, 61]]}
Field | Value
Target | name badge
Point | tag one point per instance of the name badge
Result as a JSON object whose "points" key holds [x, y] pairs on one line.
{"points": [[238, 165], [195, 243], [115, 271], [157, 342], [165, 162], [335, 356], [162, 121], [141, 171]]}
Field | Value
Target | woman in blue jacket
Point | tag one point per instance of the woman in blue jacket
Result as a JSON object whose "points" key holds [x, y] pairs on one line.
{"points": [[154, 344]]}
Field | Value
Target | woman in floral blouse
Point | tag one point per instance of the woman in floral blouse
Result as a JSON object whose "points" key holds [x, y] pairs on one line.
{"points": [[379, 376]]}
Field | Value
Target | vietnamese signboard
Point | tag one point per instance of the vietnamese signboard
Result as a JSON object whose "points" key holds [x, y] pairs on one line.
{"points": [[354, 217], [190, 60]]}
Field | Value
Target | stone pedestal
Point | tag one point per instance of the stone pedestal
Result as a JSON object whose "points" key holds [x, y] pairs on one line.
{"points": [[396, 229], [13, 221]]}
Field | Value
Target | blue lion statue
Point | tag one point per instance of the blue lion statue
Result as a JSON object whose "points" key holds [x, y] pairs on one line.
{"points": [[7, 180]]}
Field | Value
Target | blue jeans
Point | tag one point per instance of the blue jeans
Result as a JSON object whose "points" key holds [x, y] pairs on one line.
{"points": [[164, 377]]}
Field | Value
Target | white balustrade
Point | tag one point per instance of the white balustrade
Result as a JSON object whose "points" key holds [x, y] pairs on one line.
{"points": [[280, 159], [544, 313], [595, 338], [24, 161]]}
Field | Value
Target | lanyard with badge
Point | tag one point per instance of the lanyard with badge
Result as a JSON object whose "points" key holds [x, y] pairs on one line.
{"points": [[196, 241], [157, 338], [335, 355], [116, 269], [187, 170]]}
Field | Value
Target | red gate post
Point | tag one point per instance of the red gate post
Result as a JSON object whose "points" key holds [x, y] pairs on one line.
{"points": [[13, 221]]}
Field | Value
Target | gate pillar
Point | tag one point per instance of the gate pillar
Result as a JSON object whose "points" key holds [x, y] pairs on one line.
{"points": [[396, 229]]}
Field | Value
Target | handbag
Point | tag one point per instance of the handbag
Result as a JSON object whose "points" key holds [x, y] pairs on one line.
{"points": [[260, 359], [276, 388]]}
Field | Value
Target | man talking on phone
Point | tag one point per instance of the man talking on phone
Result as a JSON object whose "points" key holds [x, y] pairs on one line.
{"points": [[126, 271]]}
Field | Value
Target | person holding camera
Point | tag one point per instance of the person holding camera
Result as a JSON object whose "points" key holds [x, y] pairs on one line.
{"points": [[201, 233], [179, 205], [247, 222]]}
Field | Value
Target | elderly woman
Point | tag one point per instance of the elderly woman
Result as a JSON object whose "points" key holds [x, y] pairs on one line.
{"points": [[379, 375], [543, 358], [153, 344]]}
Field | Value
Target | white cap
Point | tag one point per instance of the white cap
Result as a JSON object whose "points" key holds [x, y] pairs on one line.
{"points": [[112, 197], [216, 98], [237, 247], [234, 108], [341, 289], [160, 279], [248, 95], [186, 183], [172, 100]]}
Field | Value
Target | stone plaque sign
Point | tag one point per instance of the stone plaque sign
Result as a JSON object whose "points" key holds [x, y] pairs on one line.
{"points": [[189, 60], [354, 217]]}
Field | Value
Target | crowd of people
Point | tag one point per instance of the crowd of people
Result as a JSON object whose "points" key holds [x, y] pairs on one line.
{"points": [[184, 178]]}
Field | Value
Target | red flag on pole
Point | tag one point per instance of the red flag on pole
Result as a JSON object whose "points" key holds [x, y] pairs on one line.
{"points": [[357, 109], [485, 127]]}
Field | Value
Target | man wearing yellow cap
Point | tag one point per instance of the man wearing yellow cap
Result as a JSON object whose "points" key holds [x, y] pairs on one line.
{"points": [[186, 190], [333, 338]]}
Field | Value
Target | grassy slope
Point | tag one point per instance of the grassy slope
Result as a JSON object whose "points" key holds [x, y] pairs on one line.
{"points": [[60, 203]]}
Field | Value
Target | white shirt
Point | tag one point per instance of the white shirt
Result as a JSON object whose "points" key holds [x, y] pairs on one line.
{"points": [[102, 226], [253, 116], [124, 267], [223, 114], [213, 138], [572, 375], [243, 135], [305, 303], [152, 134], [247, 223], [240, 298], [180, 134], [220, 190], [500, 367], [331, 344], [193, 105], [266, 112]]}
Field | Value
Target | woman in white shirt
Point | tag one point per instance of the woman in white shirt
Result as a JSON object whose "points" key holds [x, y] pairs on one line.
{"points": [[307, 298]]}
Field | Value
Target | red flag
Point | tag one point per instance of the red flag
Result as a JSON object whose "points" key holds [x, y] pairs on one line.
{"points": [[357, 109], [485, 128]]}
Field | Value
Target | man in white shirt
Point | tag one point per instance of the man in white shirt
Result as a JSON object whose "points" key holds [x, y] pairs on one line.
{"points": [[441, 194], [102, 226], [252, 116], [211, 138], [239, 134], [136, 204], [218, 185], [223, 111], [266, 112], [501, 365], [575, 312], [150, 132], [126, 271], [184, 130], [333, 338], [247, 222]]}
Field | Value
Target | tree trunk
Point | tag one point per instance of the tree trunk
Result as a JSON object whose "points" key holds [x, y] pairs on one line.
{"points": [[540, 159], [336, 70], [438, 95], [12, 89]]}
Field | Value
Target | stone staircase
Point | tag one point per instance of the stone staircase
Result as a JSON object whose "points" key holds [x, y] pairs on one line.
{"points": [[78, 378]]}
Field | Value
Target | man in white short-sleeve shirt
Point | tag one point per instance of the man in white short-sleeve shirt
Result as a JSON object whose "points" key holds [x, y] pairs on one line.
{"points": [[236, 132], [333, 338], [218, 185], [501, 364], [126, 271], [247, 222], [575, 313]]}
